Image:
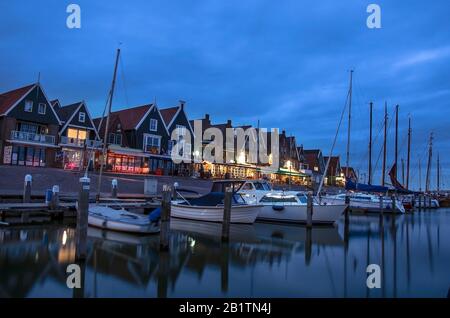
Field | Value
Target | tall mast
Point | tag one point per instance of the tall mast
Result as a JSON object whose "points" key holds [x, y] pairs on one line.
{"points": [[383, 172], [409, 153], [403, 171], [105, 138], [396, 141], [370, 144], [349, 122], [438, 174], [420, 176], [430, 156]]}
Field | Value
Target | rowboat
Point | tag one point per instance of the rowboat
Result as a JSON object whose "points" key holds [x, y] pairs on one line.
{"points": [[120, 220]]}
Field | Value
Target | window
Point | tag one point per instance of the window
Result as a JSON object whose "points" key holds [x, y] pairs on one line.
{"points": [[152, 144], [115, 139], [181, 130], [28, 106], [41, 108], [247, 187], [77, 134], [81, 117], [153, 124], [169, 149]]}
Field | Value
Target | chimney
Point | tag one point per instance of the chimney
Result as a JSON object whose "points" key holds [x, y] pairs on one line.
{"points": [[229, 122], [207, 117], [182, 103]]}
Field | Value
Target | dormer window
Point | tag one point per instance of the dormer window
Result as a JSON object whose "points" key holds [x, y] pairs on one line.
{"points": [[181, 130], [41, 108], [28, 106], [153, 124], [81, 117]]}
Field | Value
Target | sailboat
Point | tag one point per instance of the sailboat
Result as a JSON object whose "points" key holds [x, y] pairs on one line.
{"points": [[105, 217], [363, 197]]}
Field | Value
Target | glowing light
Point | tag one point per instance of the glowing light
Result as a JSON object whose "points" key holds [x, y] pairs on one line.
{"points": [[241, 158], [64, 238]]}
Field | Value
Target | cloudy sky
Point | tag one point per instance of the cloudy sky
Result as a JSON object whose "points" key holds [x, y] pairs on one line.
{"points": [[285, 63]]}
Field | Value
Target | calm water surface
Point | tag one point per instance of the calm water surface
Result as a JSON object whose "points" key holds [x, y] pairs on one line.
{"points": [[262, 260]]}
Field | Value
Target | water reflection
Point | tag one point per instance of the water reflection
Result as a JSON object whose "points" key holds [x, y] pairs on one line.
{"points": [[260, 260]]}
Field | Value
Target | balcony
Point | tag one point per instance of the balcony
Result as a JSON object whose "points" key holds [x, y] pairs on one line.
{"points": [[32, 137], [80, 142]]}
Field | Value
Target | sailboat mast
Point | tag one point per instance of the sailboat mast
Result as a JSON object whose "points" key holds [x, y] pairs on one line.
{"points": [[383, 172], [420, 176], [409, 153], [438, 174], [105, 138], [403, 171], [396, 141], [370, 144], [430, 156], [349, 123]]}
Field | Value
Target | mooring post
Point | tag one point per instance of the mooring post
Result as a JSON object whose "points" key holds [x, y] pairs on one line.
{"points": [[309, 209], [27, 189], [381, 203], [165, 218], [175, 193], [226, 215], [429, 202], [114, 188], [347, 202], [308, 245], [54, 203], [82, 218]]}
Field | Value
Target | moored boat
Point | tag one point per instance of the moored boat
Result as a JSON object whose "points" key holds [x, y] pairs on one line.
{"points": [[120, 220], [366, 202], [210, 208]]}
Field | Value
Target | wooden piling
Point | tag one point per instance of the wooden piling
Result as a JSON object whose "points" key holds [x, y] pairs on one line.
{"points": [[82, 218], [54, 204], [27, 189], [420, 202], [308, 245], [165, 218], [393, 201], [226, 215], [309, 210], [114, 188]]}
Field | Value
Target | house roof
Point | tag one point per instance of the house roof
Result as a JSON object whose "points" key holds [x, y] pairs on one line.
{"points": [[65, 112], [129, 118], [312, 158], [8, 99], [351, 172], [168, 114]]}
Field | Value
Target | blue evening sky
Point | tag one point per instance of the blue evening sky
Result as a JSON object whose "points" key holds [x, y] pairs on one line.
{"points": [[285, 63]]}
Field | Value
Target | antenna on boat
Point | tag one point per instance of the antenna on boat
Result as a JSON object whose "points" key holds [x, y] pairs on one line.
{"points": [[349, 123], [430, 155], [105, 139]]}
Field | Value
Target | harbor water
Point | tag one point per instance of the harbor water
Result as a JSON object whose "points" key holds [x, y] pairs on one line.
{"points": [[261, 260]]}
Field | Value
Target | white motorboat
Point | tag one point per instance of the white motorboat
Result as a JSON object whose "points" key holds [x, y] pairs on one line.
{"points": [[210, 208], [292, 208], [366, 202], [427, 202], [120, 220]]}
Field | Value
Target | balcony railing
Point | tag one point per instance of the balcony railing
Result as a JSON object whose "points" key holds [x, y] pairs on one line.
{"points": [[80, 142], [32, 137]]}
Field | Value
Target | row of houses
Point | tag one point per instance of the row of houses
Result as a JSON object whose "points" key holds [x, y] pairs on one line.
{"points": [[36, 131]]}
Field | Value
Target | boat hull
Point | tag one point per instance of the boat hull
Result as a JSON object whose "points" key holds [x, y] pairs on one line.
{"points": [[120, 220], [239, 214], [322, 214], [368, 206]]}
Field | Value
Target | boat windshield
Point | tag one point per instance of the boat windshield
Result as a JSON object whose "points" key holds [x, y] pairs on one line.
{"points": [[263, 186], [278, 198], [302, 197]]}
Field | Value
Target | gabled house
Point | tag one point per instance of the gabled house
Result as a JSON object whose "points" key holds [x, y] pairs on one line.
{"points": [[349, 173], [176, 119], [137, 140], [78, 137], [315, 163], [28, 127], [334, 177]]}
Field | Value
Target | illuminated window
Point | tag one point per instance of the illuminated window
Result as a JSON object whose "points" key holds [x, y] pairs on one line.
{"points": [[77, 134], [81, 117]]}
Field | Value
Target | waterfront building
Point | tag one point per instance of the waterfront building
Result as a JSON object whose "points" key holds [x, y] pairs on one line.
{"points": [[137, 141], [334, 175], [316, 163], [29, 128], [78, 137], [175, 118]]}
